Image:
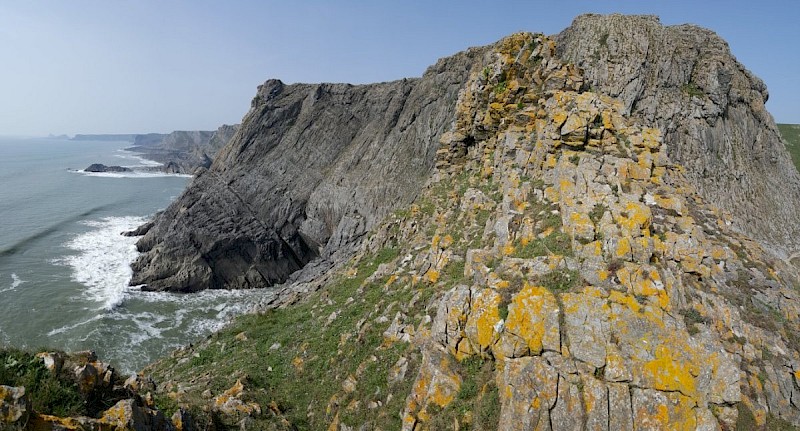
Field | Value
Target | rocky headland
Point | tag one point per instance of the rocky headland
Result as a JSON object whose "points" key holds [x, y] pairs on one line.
{"points": [[179, 152], [183, 151], [592, 230]]}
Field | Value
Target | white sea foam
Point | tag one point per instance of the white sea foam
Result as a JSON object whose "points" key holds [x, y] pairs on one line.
{"points": [[102, 263], [68, 328], [142, 162], [134, 174], [15, 283], [130, 321]]}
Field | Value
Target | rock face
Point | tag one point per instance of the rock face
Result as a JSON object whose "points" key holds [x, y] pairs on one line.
{"points": [[685, 81], [607, 293], [310, 171]]}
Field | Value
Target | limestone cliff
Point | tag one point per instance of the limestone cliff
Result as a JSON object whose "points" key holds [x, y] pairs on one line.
{"points": [[312, 168], [683, 80], [558, 271]]}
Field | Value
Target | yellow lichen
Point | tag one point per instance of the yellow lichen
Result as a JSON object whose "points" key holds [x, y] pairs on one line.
{"points": [[526, 315], [668, 373]]}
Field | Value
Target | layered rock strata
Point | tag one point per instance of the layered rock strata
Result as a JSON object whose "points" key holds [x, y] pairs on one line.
{"points": [[311, 170]]}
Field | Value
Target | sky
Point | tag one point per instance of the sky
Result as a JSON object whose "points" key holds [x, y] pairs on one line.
{"points": [[142, 66]]}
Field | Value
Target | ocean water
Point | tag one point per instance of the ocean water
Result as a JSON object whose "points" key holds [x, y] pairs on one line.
{"points": [[65, 267]]}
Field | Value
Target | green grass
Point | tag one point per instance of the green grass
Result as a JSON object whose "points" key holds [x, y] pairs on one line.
{"points": [[49, 394], [560, 281], [791, 136], [301, 332], [477, 398], [692, 90]]}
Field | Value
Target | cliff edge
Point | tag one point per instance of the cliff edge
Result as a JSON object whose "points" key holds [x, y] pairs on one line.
{"points": [[314, 167], [559, 271]]}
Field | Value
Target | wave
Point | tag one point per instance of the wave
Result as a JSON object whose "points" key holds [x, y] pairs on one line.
{"points": [[125, 154], [68, 328], [22, 244], [15, 283], [102, 263], [134, 174]]}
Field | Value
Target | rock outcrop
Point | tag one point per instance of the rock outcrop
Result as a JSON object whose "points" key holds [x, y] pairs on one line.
{"points": [[685, 81], [107, 402], [559, 271], [311, 170], [99, 167]]}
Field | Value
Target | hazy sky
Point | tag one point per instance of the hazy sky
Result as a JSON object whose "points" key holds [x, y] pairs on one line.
{"points": [[157, 66]]}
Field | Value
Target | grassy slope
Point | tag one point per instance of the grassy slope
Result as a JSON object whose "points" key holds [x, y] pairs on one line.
{"points": [[791, 133], [303, 378]]}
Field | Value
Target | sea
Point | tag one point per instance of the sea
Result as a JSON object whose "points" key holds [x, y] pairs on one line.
{"points": [[65, 265]]}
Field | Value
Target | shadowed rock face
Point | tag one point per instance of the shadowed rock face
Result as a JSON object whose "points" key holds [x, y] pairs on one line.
{"points": [[684, 80], [311, 169]]}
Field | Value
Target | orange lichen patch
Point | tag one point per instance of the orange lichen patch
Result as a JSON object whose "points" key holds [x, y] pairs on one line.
{"points": [[636, 216], [651, 138], [669, 203], [526, 315], [520, 205], [595, 248], [676, 412], [551, 161], [552, 194], [547, 232], [565, 185], [603, 275], [559, 118], [507, 249], [623, 247], [626, 300], [446, 242], [632, 170], [667, 372], [607, 123], [431, 276], [483, 317], [644, 281], [443, 394], [581, 225]]}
